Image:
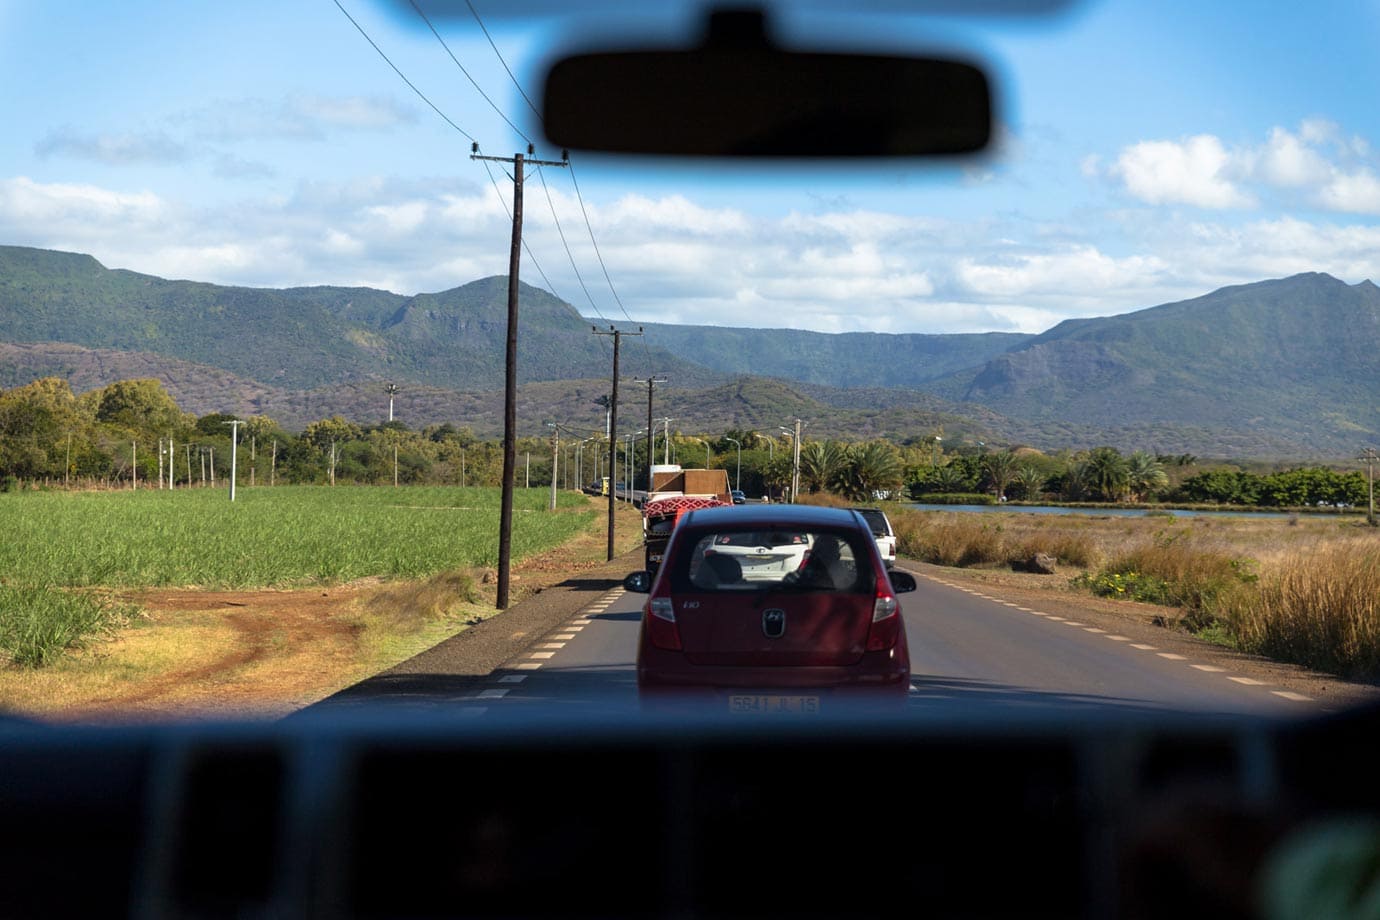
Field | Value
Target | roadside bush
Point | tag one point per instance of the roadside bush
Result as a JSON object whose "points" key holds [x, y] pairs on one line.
{"points": [[1171, 571], [1133, 586], [950, 539], [1319, 608], [1078, 550]]}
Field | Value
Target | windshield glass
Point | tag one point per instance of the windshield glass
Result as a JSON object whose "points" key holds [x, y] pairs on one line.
{"points": [[1111, 380]]}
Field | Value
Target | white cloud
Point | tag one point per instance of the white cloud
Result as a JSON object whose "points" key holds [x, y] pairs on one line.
{"points": [[26, 203], [1194, 171], [1288, 160], [1357, 192], [674, 260], [1314, 166]]}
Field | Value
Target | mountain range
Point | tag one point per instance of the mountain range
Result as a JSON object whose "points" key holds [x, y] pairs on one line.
{"points": [[1278, 368]]}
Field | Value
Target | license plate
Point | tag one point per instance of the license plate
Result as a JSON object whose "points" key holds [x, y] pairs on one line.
{"points": [[755, 703]]}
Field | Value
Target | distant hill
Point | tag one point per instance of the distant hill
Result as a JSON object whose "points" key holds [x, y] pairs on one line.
{"points": [[1284, 368], [850, 359], [315, 336], [1294, 361]]}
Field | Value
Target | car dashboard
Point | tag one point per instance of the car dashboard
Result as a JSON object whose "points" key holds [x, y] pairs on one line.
{"points": [[382, 812]]}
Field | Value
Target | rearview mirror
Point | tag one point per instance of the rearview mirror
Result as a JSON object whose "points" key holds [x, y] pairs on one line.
{"points": [[738, 94]]}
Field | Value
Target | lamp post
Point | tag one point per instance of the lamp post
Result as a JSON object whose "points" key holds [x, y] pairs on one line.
{"points": [[738, 477], [708, 454], [934, 452], [794, 435]]}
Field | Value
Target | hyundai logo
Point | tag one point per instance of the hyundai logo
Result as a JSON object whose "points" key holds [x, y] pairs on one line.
{"points": [[774, 622]]}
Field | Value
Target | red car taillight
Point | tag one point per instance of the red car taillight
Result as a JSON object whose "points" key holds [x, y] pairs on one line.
{"points": [[886, 619], [661, 624]]}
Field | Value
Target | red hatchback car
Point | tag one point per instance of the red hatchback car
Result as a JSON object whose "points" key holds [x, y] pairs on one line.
{"points": [[815, 626]]}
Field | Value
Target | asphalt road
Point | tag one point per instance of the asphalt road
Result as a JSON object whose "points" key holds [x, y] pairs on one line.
{"points": [[972, 655]]}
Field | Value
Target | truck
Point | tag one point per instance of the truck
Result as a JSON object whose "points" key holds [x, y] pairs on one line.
{"points": [[674, 492]]}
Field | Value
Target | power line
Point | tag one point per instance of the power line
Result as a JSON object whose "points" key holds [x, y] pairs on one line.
{"points": [[499, 55], [569, 254], [578, 196], [472, 80], [421, 95]]}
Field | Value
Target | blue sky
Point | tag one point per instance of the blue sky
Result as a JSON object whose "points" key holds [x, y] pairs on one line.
{"points": [[1149, 152]]}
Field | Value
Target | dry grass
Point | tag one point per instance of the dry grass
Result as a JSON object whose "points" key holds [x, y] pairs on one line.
{"points": [[1320, 608], [1299, 589]]}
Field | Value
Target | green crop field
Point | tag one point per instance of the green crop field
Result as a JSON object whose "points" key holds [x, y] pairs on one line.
{"points": [[269, 537]]}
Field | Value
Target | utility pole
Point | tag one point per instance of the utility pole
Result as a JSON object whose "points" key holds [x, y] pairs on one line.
{"points": [[234, 451], [651, 430], [391, 389], [795, 471], [555, 457], [505, 519], [134, 466], [613, 424], [1370, 458]]}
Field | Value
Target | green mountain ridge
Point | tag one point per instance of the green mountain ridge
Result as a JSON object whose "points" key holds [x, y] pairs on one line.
{"points": [[1286, 367]]}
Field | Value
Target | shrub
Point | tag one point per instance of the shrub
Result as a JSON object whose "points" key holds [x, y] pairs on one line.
{"points": [[1198, 580], [38, 623], [1078, 550], [1319, 608], [1135, 586]]}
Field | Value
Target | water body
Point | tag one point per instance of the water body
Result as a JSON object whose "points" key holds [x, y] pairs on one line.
{"points": [[1099, 512]]}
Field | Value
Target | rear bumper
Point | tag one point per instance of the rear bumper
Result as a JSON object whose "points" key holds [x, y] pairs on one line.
{"points": [[885, 672]]}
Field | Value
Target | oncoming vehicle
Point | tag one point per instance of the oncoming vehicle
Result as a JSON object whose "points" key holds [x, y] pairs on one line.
{"points": [[787, 636], [738, 497]]}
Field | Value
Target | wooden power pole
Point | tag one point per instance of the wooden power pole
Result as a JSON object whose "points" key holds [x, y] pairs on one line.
{"points": [[505, 520], [613, 427]]}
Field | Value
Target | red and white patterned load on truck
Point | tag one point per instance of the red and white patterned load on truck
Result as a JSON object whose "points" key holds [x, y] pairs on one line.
{"points": [[659, 518]]}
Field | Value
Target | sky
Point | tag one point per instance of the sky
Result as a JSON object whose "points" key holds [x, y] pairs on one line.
{"points": [[1147, 152]]}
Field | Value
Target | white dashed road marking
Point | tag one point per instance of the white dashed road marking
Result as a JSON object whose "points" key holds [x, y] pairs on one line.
{"points": [[492, 694], [1144, 648], [1289, 695], [1211, 668], [1172, 657], [1249, 681]]}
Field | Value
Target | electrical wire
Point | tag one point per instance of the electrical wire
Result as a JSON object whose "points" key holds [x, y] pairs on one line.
{"points": [[403, 76], [584, 211], [535, 264], [473, 82], [499, 55]]}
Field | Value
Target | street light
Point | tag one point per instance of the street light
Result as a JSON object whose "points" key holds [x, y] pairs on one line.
{"points": [[708, 454], [934, 452], [738, 483]]}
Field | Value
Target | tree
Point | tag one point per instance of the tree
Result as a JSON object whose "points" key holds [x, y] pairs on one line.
{"points": [[140, 407], [999, 469], [870, 468], [1145, 475], [1031, 481], [821, 465], [1107, 473]]}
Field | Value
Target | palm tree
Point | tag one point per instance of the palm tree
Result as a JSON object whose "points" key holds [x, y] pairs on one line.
{"points": [[821, 464], [1000, 469], [1145, 474], [872, 467], [1031, 482], [1108, 474]]}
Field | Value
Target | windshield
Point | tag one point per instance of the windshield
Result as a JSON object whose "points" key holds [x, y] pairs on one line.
{"points": [[254, 434]]}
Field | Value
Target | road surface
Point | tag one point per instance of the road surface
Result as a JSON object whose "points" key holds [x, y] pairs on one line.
{"points": [[973, 653]]}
